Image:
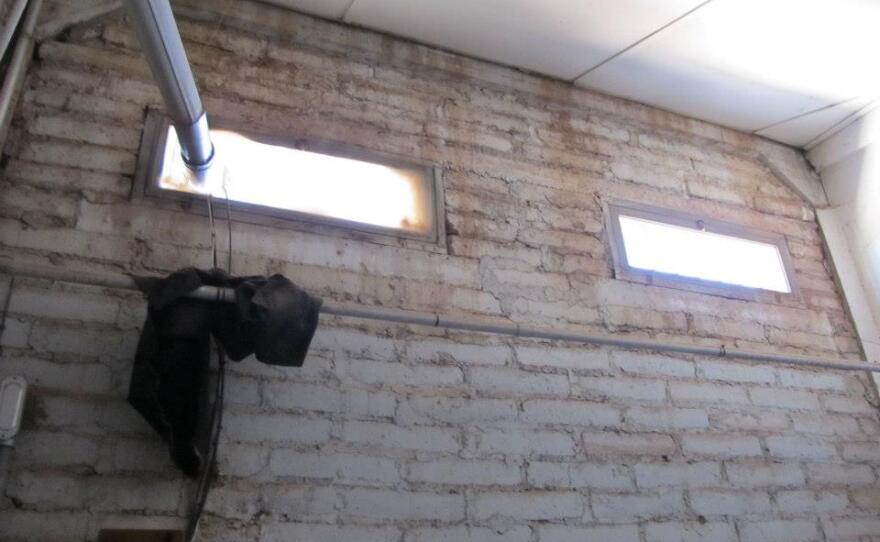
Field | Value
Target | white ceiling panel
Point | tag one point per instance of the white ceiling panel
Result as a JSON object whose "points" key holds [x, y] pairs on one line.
{"points": [[331, 9], [700, 92], [787, 69], [560, 38], [802, 130], [752, 63]]}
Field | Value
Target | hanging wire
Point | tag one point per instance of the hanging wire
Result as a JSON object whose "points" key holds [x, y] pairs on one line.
{"points": [[207, 472], [6, 300], [228, 221], [213, 232]]}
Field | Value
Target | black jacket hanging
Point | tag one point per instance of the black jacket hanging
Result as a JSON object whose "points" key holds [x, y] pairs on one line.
{"points": [[271, 317]]}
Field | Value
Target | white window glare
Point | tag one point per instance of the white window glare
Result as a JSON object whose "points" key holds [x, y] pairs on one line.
{"points": [[688, 252], [252, 172]]}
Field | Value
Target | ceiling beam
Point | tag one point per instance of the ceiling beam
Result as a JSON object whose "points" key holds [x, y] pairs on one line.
{"points": [[791, 167]]}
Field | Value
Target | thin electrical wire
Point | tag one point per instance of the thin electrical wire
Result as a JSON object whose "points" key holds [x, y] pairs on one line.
{"points": [[205, 476], [228, 222], [6, 300], [213, 232]]}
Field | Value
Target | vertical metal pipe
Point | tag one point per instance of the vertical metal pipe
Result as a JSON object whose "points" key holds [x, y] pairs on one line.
{"points": [[24, 47], [160, 40], [16, 10]]}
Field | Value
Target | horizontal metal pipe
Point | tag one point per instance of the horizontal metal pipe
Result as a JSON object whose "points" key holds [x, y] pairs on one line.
{"points": [[157, 32], [401, 316], [15, 73]]}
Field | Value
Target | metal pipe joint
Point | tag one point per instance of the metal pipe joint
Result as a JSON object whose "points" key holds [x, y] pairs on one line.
{"points": [[157, 32]]}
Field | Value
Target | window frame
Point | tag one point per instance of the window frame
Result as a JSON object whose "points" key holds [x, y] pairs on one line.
{"points": [[149, 167], [622, 269]]}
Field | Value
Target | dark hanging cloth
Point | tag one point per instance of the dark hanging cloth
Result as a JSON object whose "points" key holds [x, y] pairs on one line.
{"points": [[271, 317]]}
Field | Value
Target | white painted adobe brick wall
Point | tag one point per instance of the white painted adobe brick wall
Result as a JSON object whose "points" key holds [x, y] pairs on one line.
{"points": [[406, 434]]}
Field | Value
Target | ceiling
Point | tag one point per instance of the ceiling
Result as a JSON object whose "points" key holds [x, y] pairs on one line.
{"points": [[791, 70]]}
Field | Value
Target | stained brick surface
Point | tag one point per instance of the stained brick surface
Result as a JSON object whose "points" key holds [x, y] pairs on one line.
{"points": [[400, 434]]}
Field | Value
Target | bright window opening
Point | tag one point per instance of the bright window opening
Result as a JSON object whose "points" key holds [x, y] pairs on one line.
{"points": [[676, 248], [342, 190]]}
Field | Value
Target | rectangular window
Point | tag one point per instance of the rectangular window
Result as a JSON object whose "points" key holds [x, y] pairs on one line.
{"points": [[310, 182], [668, 248]]}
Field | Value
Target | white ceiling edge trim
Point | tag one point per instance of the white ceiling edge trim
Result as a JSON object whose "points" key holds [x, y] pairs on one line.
{"points": [[806, 128], [842, 125], [847, 271], [855, 136]]}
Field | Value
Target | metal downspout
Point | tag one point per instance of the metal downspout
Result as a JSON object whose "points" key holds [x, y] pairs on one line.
{"points": [[21, 55], [16, 11], [155, 27]]}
